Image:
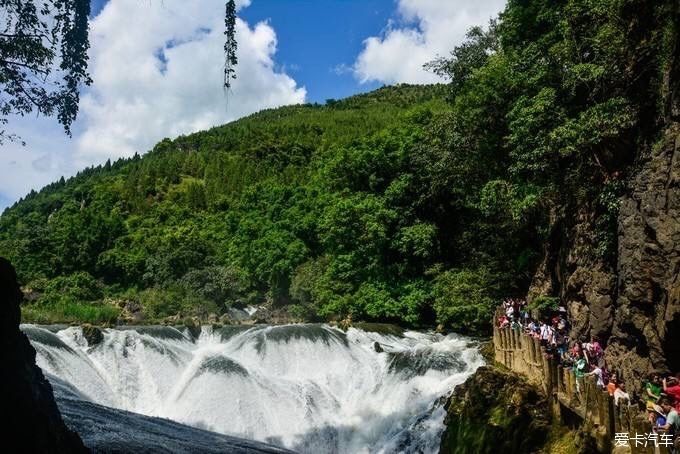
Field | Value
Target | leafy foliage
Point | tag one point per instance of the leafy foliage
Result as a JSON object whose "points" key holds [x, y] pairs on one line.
{"points": [[41, 38], [73, 288], [465, 299], [544, 305], [395, 205]]}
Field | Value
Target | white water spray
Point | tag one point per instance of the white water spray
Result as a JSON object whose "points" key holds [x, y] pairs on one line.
{"points": [[310, 388]]}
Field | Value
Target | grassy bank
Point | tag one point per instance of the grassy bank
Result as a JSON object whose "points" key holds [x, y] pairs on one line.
{"points": [[77, 313]]}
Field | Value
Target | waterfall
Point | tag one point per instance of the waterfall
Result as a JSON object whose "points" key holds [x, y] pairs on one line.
{"points": [[309, 388]]}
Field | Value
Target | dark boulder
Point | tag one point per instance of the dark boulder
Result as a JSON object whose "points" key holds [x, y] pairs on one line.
{"points": [[386, 329], [92, 335], [193, 327], [32, 420]]}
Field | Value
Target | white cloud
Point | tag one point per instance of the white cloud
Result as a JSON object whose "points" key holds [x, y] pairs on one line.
{"points": [[35, 165], [157, 71], [429, 28]]}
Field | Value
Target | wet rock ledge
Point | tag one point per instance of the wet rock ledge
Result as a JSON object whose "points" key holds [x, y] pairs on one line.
{"points": [[495, 411]]}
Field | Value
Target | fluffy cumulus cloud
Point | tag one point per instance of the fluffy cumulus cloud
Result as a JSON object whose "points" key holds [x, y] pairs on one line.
{"points": [[425, 30], [157, 68]]}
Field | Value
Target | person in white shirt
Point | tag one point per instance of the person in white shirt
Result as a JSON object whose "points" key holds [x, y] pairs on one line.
{"points": [[598, 374], [620, 393], [509, 311], [546, 333]]}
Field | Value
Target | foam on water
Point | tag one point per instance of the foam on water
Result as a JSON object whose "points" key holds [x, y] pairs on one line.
{"points": [[310, 388]]}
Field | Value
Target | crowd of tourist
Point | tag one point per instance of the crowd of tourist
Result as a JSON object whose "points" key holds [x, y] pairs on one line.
{"points": [[661, 396]]}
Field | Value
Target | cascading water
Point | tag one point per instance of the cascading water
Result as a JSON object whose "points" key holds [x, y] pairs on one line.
{"points": [[309, 388]]}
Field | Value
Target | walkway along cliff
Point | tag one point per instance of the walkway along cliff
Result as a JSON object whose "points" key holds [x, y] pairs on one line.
{"points": [[592, 409]]}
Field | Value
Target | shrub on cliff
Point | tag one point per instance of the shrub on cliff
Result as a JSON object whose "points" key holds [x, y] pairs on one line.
{"points": [[544, 305], [464, 300]]}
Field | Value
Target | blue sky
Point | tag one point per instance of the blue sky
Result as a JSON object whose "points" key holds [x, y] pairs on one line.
{"points": [[319, 40], [156, 67]]}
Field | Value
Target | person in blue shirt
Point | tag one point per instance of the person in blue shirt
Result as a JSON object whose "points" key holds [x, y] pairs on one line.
{"points": [[672, 425]]}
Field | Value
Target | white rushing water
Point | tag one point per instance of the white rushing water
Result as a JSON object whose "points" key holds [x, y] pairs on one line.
{"points": [[310, 388]]}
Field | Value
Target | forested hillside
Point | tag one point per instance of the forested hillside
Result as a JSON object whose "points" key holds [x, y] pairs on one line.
{"points": [[412, 204], [334, 210]]}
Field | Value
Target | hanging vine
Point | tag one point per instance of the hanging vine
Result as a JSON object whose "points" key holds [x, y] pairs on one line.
{"points": [[230, 45]]}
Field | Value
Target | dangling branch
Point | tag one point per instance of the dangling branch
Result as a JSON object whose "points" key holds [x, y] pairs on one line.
{"points": [[38, 35], [230, 45]]}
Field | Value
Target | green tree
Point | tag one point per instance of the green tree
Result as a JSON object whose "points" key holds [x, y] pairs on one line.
{"points": [[222, 285], [73, 288], [464, 300], [43, 63]]}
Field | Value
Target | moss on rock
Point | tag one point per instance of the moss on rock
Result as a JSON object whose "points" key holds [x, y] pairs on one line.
{"points": [[495, 411]]}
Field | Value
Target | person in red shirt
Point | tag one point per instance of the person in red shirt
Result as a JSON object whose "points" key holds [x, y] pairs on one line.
{"points": [[671, 387]]}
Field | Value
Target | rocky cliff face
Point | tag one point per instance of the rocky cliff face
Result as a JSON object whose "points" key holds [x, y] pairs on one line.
{"points": [[570, 269], [633, 301], [645, 331], [32, 420], [495, 411]]}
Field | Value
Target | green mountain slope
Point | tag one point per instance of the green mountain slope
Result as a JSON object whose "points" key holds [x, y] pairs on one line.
{"points": [[417, 205], [300, 205]]}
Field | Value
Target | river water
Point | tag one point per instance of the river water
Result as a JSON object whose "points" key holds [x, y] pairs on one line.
{"points": [[308, 388]]}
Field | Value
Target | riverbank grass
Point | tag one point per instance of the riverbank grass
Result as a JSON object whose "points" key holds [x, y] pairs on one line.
{"points": [[68, 312]]}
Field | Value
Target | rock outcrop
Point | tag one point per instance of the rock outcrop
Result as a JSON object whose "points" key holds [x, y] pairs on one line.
{"points": [[634, 303], [92, 334], [495, 411], [571, 271], [646, 327], [32, 419]]}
